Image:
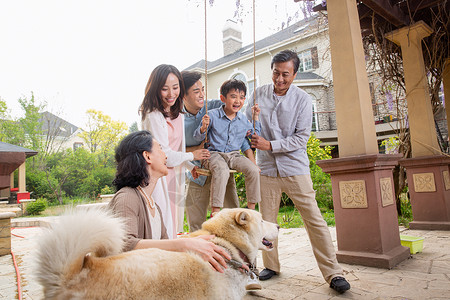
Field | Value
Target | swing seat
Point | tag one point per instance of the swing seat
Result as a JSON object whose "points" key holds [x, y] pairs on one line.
{"points": [[206, 172]]}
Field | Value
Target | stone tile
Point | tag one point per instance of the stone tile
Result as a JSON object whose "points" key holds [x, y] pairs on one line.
{"points": [[440, 267], [425, 276], [414, 265], [270, 294]]}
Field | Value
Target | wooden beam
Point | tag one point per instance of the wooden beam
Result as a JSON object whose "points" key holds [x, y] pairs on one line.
{"points": [[364, 11], [319, 7], [415, 5], [393, 14]]}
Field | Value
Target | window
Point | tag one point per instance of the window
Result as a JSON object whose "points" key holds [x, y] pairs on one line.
{"points": [[249, 84], [305, 61], [77, 145], [308, 60], [241, 77], [315, 117]]}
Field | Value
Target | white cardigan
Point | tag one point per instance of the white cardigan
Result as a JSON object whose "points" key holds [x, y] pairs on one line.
{"points": [[157, 125]]}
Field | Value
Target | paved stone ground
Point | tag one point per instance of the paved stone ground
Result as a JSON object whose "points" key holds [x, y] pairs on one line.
{"points": [[425, 275]]}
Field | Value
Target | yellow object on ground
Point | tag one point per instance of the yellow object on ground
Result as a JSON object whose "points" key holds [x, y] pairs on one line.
{"points": [[415, 244]]}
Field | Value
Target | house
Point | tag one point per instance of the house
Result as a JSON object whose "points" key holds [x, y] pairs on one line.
{"points": [[309, 38], [59, 133]]}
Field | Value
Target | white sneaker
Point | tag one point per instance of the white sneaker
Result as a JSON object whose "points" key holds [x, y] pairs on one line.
{"points": [[253, 282]]}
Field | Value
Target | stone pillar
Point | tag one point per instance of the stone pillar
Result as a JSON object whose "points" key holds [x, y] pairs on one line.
{"points": [[354, 115], [363, 190], [420, 113], [22, 181], [5, 232], [427, 171], [365, 210], [429, 189]]}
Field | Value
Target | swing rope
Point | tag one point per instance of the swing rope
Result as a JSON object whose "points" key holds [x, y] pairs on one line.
{"points": [[202, 165], [202, 170], [206, 72], [254, 59]]}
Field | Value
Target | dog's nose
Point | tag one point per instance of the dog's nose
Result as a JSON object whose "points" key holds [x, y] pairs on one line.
{"points": [[278, 227]]}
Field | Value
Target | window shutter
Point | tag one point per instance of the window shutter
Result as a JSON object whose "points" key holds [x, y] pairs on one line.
{"points": [[315, 58]]}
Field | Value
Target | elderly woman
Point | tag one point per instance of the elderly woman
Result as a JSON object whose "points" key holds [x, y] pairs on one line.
{"points": [[140, 163]]}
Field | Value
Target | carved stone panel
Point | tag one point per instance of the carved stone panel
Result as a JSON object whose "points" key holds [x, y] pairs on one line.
{"points": [[387, 195], [446, 177], [353, 194], [424, 182]]}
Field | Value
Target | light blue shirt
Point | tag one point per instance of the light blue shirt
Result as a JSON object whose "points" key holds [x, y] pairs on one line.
{"points": [[286, 123], [191, 122], [225, 135]]}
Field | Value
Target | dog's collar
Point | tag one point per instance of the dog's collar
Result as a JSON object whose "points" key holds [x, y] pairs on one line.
{"points": [[238, 266], [243, 256]]}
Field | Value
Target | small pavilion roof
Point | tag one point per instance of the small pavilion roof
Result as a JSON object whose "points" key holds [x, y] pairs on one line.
{"points": [[5, 147]]}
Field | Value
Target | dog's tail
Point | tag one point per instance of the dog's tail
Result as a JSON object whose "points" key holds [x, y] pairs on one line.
{"points": [[62, 248]]}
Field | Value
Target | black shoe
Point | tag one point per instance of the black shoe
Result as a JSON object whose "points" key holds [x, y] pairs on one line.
{"points": [[339, 284], [266, 274]]}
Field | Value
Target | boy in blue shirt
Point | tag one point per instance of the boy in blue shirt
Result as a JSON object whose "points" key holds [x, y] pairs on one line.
{"points": [[228, 129]]}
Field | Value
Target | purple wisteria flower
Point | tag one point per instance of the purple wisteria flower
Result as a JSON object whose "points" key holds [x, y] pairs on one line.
{"points": [[389, 100]]}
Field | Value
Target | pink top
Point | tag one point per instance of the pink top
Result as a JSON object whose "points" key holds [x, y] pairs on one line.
{"points": [[175, 130]]}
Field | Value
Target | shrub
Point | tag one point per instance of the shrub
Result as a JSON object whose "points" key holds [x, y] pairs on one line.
{"points": [[107, 190], [240, 188], [36, 207], [38, 184]]}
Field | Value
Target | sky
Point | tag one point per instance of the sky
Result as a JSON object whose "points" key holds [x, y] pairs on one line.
{"points": [[96, 54]]}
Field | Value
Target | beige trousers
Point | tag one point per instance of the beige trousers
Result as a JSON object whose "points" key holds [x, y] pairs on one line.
{"points": [[300, 189], [220, 164], [198, 198]]}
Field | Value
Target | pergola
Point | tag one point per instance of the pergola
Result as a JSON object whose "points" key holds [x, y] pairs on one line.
{"points": [[362, 181], [13, 157]]}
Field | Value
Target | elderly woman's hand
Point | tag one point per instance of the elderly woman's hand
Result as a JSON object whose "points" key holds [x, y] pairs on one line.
{"points": [[207, 250]]}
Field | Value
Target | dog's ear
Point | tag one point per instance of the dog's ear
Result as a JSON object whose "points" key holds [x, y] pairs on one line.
{"points": [[242, 218]]}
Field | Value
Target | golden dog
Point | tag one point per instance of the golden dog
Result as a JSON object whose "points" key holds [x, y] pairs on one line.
{"points": [[80, 258]]}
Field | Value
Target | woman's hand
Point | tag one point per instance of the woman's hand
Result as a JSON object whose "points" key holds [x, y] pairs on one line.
{"points": [[205, 123], [207, 250], [201, 154]]}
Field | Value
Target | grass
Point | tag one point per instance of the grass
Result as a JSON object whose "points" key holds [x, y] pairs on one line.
{"points": [[288, 217], [406, 211], [56, 209]]}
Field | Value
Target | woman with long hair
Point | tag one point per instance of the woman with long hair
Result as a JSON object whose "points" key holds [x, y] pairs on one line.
{"points": [[161, 115]]}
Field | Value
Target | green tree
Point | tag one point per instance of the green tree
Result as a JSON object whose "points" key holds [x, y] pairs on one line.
{"points": [[102, 133], [10, 129], [133, 127], [31, 123], [321, 180]]}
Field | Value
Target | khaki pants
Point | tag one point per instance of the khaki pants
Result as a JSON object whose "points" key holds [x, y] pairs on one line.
{"points": [[220, 164], [300, 189], [198, 198]]}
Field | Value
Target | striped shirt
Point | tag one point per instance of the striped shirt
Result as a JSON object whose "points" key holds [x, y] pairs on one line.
{"points": [[285, 122]]}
